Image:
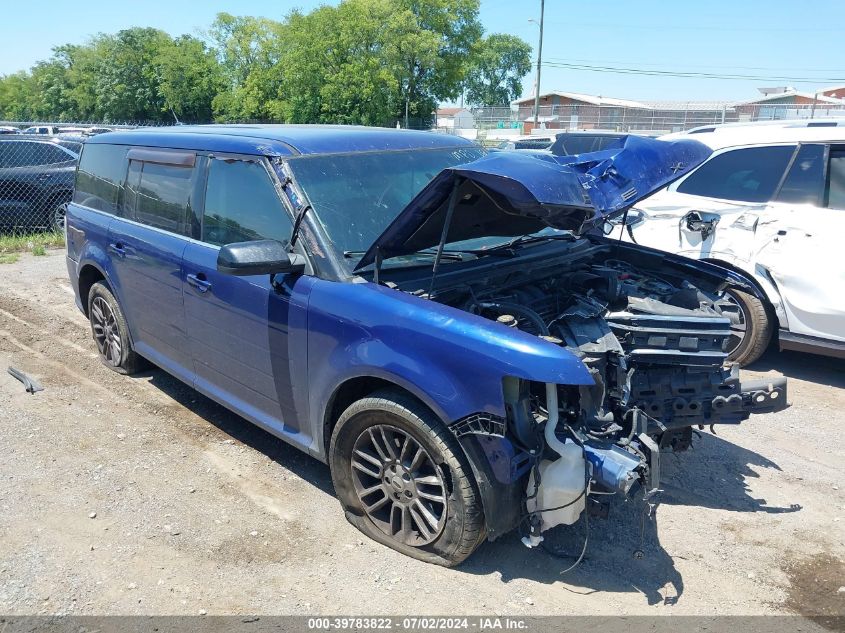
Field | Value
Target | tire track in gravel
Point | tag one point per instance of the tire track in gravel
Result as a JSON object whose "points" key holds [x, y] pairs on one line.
{"points": [[75, 365]]}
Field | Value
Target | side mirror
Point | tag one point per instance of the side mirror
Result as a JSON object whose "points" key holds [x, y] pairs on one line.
{"points": [[261, 257], [631, 218], [694, 221]]}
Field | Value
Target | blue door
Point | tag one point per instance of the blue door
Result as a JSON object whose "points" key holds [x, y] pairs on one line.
{"points": [[146, 247], [243, 332]]}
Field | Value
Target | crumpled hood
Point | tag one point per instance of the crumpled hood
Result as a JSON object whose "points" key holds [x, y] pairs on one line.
{"points": [[512, 193]]}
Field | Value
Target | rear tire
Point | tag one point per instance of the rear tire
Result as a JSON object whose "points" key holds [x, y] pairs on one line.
{"points": [[404, 481], [110, 332], [758, 328], [58, 215]]}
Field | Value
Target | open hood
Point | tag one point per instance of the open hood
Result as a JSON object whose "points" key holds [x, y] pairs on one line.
{"points": [[512, 193]]}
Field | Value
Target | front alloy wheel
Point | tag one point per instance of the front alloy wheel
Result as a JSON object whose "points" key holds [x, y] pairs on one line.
{"points": [[403, 479], [399, 486]]}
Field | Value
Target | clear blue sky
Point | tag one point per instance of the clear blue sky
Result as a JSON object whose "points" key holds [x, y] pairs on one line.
{"points": [[781, 38]]}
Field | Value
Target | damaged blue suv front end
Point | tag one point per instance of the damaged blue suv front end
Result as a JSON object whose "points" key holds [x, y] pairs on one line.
{"points": [[584, 357]]}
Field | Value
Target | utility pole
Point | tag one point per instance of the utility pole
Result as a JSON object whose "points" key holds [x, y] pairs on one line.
{"points": [[539, 63]]}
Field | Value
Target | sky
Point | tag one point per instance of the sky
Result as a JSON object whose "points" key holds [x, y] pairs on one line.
{"points": [[777, 42]]}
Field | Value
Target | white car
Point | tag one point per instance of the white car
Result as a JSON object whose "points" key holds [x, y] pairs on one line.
{"points": [[50, 130], [770, 203]]}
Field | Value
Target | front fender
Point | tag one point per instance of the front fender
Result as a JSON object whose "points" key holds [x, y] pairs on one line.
{"points": [[451, 360]]}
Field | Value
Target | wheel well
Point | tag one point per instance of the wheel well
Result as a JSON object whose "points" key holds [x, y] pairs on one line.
{"points": [[351, 391], [767, 303], [88, 276], [736, 269]]}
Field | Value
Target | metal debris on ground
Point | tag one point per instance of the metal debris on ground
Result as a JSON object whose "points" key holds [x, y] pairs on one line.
{"points": [[30, 384]]}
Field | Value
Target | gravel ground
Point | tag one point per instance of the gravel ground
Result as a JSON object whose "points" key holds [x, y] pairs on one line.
{"points": [[137, 495]]}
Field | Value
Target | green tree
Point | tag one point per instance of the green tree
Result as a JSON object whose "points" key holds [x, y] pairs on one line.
{"points": [[126, 87], [17, 95], [249, 52], [189, 78], [432, 43], [497, 66], [371, 61], [362, 61], [336, 68]]}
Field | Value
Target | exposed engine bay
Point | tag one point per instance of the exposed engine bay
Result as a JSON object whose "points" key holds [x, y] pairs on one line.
{"points": [[655, 345]]}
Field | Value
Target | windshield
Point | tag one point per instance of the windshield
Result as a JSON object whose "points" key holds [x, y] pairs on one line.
{"points": [[356, 196], [571, 144]]}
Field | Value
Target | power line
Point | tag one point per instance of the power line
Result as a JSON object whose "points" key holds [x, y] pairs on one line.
{"points": [[668, 28], [570, 60], [691, 75]]}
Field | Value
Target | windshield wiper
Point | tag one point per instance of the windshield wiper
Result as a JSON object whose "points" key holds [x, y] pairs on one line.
{"points": [[457, 256], [507, 248]]}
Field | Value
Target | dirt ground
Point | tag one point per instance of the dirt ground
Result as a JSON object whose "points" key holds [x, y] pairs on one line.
{"points": [[136, 495]]}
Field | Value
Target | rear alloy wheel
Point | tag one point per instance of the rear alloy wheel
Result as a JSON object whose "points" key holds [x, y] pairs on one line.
{"points": [[57, 217], [108, 327], [403, 480], [751, 327]]}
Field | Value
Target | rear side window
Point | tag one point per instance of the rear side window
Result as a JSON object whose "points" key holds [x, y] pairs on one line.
{"points": [[805, 181], [161, 199], [836, 180], [99, 179], [241, 204], [746, 175]]}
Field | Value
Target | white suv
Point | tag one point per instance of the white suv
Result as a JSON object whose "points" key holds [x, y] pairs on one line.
{"points": [[770, 203]]}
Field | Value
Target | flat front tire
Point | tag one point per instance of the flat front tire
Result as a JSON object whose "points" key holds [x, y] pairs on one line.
{"points": [[404, 481], [110, 332]]}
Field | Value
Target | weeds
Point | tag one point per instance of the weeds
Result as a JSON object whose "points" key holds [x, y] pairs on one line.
{"points": [[38, 243], [8, 258]]}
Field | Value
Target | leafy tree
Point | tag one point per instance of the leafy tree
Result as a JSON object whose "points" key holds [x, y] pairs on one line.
{"points": [[496, 69], [189, 78], [16, 97], [127, 82], [362, 61], [432, 45], [249, 51], [336, 69]]}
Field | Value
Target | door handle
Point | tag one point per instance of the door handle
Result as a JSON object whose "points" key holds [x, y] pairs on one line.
{"points": [[44, 177], [199, 282], [117, 249]]}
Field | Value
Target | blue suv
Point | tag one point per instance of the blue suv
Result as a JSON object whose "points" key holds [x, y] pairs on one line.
{"points": [[451, 331]]}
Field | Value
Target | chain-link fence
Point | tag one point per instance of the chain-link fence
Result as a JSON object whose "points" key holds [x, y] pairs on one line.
{"points": [[37, 166], [501, 122], [36, 181]]}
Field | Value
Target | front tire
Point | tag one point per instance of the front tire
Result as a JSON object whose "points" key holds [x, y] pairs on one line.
{"points": [[752, 335], [404, 481], [110, 332]]}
